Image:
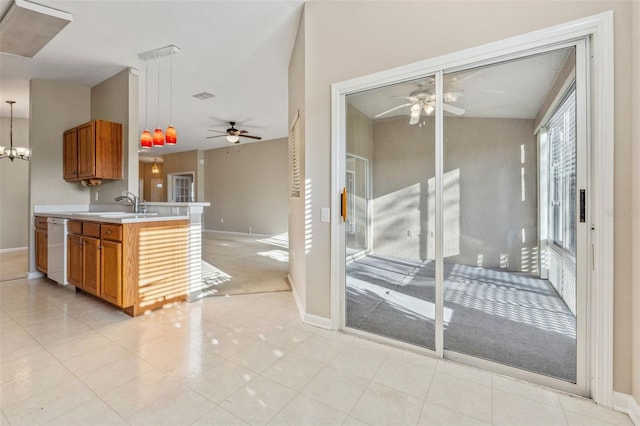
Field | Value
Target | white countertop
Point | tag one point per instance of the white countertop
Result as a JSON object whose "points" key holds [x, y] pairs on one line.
{"points": [[114, 217]]}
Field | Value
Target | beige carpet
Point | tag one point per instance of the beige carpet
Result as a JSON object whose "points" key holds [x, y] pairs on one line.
{"points": [[244, 263], [13, 265]]}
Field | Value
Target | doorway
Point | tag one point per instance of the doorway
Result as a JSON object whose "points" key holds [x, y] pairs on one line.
{"points": [[181, 187], [481, 225]]}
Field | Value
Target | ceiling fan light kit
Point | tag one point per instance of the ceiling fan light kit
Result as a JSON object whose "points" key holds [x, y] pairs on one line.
{"points": [[158, 139], [424, 99], [233, 135]]}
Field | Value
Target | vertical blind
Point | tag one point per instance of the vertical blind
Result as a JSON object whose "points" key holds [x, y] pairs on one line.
{"points": [[562, 139]]}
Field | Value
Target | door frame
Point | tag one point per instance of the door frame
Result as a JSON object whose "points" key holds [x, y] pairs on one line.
{"points": [[599, 30]]}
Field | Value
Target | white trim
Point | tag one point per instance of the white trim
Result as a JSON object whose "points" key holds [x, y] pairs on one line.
{"points": [[34, 275], [253, 234], [8, 250], [296, 297], [318, 321], [626, 404], [600, 29]]}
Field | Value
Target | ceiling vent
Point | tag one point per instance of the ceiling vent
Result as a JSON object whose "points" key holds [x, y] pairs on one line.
{"points": [[27, 27], [203, 95]]}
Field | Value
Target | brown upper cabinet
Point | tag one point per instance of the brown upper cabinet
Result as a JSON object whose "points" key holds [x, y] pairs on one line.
{"points": [[92, 152]]}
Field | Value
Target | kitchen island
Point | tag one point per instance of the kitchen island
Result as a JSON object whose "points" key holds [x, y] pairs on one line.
{"points": [[135, 261]]}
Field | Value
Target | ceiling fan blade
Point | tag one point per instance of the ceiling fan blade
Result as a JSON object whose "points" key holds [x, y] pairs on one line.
{"points": [[412, 99], [218, 131], [217, 136], [390, 110], [250, 137], [243, 131], [452, 109]]}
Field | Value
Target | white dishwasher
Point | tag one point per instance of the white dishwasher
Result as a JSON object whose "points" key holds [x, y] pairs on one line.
{"points": [[57, 249]]}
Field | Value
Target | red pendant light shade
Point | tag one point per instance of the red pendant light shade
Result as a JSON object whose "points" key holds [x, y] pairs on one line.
{"points": [[146, 140], [172, 136], [158, 137]]}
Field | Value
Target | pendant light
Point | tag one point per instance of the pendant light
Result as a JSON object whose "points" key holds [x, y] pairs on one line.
{"points": [[158, 136], [145, 140], [171, 135], [11, 152], [155, 169]]}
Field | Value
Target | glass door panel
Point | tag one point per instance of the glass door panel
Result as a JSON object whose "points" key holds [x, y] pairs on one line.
{"points": [[509, 213], [390, 221]]}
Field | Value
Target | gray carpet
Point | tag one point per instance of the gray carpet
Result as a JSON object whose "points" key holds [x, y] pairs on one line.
{"points": [[243, 264], [511, 318]]}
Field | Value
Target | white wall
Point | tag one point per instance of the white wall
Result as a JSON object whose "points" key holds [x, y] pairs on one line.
{"points": [[246, 185], [348, 39], [14, 187]]}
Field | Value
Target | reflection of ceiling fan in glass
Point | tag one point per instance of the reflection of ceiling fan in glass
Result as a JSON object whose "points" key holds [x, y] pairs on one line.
{"points": [[424, 99]]}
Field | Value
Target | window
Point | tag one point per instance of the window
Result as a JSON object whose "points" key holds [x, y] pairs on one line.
{"points": [[562, 143], [294, 158]]}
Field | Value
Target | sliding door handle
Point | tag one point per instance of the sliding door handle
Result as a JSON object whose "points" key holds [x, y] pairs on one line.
{"points": [[583, 206], [343, 204]]}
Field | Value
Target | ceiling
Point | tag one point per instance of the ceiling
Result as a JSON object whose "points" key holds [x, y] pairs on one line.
{"points": [[237, 50], [512, 89]]}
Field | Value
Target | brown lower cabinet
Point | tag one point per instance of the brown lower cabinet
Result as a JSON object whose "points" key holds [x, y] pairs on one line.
{"points": [[42, 242], [127, 265]]}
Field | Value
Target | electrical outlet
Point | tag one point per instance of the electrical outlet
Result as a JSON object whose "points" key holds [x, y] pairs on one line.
{"points": [[409, 233], [221, 220], [96, 196], [250, 230]]}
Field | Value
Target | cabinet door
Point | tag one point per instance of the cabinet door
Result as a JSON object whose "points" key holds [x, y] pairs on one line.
{"points": [[70, 154], [86, 151], [41, 250], [74, 260], [91, 263], [112, 272]]}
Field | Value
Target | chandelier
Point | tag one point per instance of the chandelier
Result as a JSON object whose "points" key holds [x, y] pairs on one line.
{"points": [[11, 152], [158, 139]]}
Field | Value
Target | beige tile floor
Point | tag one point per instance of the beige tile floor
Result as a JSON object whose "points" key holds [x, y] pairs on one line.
{"points": [[67, 359]]}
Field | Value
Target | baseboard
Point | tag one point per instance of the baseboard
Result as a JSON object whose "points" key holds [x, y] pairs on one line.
{"points": [[296, 297], [253, 234], [8, 250], [34, 275], [626, 404], [315, 320]]}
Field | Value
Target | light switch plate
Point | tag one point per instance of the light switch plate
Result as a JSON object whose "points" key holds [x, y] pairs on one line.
{"points": [[325, 215]]}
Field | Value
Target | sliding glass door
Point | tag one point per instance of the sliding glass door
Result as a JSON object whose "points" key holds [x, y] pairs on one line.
{"points": [[389, 244], [465, 222], [510, 213]]}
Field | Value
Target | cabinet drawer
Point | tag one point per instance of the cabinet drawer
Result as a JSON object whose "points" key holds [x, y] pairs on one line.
{"points": [[41, 222], [90, 229], [111, 232], [75, 227]]}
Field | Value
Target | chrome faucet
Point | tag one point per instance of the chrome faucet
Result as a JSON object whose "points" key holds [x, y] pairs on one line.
{"points": [[133, 199]]}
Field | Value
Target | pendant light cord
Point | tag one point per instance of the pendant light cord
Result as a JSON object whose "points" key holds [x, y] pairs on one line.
{"points": [[171, 90], [146, 94], [158, 116]]}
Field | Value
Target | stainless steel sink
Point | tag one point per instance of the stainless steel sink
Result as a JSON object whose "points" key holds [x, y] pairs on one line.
{"points": [[120, 215]]}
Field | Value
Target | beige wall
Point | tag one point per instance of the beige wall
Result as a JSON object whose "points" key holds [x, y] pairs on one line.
{"points": [[297, 249], [404, 191], [54, 108], [247, 188], [14, 187], [182, 162], [144, 172], [635, 90], [110, 101], [347, 39]]}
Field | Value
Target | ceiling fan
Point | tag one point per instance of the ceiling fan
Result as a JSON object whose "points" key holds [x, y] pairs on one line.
{"points": [[424, 99], [232, 134]]}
